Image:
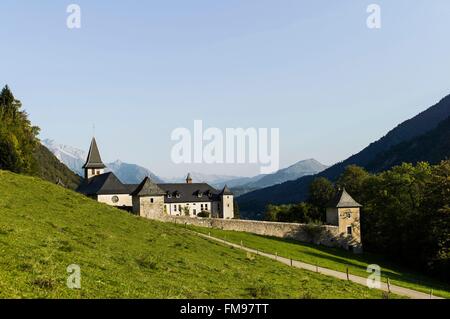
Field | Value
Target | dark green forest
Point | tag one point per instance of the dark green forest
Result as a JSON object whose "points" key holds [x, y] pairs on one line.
{"points": [[405, 214], [20, 149]]}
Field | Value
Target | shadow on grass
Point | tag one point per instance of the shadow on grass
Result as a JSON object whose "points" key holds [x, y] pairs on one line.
{"points": [[338, 255], [389, 268]]}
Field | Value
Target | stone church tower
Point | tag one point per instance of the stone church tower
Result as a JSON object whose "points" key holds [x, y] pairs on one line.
{"points": [[148, 200], [343, 211], [94, 165]]}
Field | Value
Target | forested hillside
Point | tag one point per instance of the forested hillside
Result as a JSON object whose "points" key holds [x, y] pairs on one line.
{"points": [[51, 169], [431, 147], [20, 149], [297, 191], [405, 214]]}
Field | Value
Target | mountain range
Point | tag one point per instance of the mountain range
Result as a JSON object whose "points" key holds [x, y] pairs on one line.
{"points": [[203, 178], [75, 158], [419, 138], [133, 174], [302, 168]]}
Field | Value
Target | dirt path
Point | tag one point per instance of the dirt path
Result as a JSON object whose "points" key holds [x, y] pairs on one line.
{"points": [[328, 272]]}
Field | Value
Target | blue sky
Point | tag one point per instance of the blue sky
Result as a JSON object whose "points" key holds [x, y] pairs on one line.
{"points": [[139, 69]]}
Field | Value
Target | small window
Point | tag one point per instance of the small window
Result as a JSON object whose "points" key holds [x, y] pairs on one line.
{"points": [[349, 230], [93, 171], [151, 200], [115, 199], [175, 207], [206, 206]]}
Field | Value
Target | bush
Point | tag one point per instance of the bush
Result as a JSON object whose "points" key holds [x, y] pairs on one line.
{"points": [[203, 214]]}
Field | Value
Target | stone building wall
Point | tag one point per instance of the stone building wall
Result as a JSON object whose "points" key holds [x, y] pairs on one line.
{"points": [[321, 235], [150, 207]]}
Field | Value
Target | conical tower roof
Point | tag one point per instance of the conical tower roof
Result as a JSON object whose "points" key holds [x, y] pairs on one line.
{"points": [[343, 200], [93, 159], [226, 191]]}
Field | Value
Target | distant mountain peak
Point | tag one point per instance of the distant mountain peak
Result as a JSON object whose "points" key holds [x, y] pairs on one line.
{"points": [[74, 159]]}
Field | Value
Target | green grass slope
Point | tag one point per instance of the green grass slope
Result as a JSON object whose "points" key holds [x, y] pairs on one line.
{"points": [[332, 258], [45, 228]]}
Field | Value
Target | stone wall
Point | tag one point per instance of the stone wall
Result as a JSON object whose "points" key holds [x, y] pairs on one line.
{"points": [[321, 235], [148, 206]]}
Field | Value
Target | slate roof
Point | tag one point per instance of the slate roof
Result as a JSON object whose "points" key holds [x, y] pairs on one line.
{"points": [[343, 200], [104, 184], [109, 184], [93, 159], [226, 191], [189, 193], [148, 188], [131, 187]]}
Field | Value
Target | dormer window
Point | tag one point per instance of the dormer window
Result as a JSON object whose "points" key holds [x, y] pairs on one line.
{"points": [[169, 195], [199, 194]]}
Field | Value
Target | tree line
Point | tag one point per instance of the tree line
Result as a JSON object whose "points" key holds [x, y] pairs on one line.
{"points": [[20, 149], [405, 213], [18, 137]]}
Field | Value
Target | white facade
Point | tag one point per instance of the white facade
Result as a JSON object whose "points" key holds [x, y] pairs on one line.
{"points": [[91, 172], [227, 206], [180, 209], [118, 200]]}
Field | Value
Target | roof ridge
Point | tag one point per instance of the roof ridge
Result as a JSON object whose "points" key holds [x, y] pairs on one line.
{"points": [[148, 188]]}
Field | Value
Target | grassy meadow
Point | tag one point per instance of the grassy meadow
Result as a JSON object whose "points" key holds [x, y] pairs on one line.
{"points": [[332, 258], [45, 228]]}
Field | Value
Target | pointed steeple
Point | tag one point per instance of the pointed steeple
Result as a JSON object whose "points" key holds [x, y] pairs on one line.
{"points": [[189, 179], [226, 191], [343, 200], [93, 159]]}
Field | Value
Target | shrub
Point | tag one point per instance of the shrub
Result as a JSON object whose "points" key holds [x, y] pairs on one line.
{"points": [[203, 214]]}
